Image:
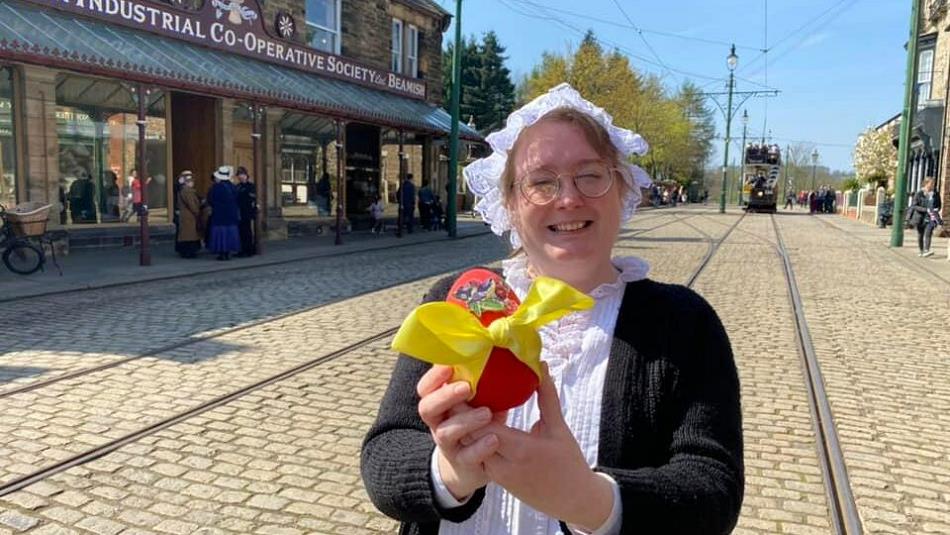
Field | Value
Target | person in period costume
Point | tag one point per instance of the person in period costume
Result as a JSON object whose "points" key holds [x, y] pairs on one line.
{"points": [[636, 425], [188, 241], [247, 202], [225, 215], [923, 215]]}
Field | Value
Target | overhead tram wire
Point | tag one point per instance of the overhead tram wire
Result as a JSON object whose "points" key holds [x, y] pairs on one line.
{"points": [[644, 30], [581, 32], [575, 29], [640, 35], [794, 32]]}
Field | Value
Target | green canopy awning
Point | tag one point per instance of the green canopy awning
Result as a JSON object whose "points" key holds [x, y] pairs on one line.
{"points": [[49, 37]]}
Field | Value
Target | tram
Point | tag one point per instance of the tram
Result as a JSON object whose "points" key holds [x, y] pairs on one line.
{"points": [[761, 169]]}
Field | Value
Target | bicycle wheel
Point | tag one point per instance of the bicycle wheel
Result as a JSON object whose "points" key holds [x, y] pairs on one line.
{"points": [[23, 258]]}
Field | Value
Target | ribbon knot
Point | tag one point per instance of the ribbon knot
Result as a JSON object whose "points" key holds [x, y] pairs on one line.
{"points": [[448, 334], [499, 332]]}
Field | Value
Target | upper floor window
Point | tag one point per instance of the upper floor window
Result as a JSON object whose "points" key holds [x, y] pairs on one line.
{"points": [[412, 52], [323, 21], [925, 61], [397, 46], [405, 49]]}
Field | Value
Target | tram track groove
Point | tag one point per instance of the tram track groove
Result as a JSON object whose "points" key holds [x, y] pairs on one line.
{"points": [[843, 512], [192, 340], [113, 445], [712, 248]]}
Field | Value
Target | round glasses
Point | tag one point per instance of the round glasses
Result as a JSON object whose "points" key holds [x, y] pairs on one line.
{"points": [[542, 186]]}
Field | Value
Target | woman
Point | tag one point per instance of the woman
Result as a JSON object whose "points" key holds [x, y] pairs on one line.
{"points": [[636, 425], [225, 216], [189, 214], [924, 214]]}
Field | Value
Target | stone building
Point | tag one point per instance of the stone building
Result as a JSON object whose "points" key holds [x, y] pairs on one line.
{"points": [[929, 136], [348, 91]]}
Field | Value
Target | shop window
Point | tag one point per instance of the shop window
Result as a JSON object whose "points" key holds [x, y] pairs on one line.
{"points": [[412, 52], [98, 151], [397, 46], [307, 153], [323, 22], [8, 193]]}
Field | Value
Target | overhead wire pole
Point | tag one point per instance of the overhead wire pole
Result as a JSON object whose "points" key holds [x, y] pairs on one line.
{"points": [[900, 188], [451, 209]]}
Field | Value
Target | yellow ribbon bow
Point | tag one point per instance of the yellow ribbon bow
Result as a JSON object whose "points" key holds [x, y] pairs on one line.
{"points": [[448, 334]]}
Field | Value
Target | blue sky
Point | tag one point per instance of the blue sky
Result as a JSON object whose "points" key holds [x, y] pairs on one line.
{"points": [[838, 63]]}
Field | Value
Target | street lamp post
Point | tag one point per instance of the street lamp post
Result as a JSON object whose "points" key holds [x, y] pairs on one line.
{"points": [[450, 209], [814, 167], [731, 61], [745, 125]]}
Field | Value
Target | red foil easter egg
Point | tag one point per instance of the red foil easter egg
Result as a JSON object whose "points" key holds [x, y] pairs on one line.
{"points": [[506, 382]]}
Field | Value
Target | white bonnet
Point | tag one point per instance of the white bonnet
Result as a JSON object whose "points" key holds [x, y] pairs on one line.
{"points": [[483, 176]]}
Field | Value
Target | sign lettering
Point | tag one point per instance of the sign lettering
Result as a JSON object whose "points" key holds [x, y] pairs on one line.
{"points": [[232, 26]]}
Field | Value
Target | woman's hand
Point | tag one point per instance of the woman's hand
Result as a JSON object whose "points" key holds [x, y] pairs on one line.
{"points": [[443, 408], [546, 469]]}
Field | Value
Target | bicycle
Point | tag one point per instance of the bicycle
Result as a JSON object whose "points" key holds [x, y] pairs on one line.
{"points": [[20, 254]]}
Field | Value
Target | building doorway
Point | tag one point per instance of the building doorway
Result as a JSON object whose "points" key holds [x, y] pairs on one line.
{"points": [[193, 138]]}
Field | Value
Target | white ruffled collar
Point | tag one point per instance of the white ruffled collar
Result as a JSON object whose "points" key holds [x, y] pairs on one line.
{"points": [[631, 268]]}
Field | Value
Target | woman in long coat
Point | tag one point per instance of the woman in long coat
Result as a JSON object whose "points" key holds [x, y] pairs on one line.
{"points": [[224, 215], [189, 239]]}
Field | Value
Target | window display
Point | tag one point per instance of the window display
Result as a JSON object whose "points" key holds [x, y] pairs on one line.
{"points": [[8, 193], [98, 151]]}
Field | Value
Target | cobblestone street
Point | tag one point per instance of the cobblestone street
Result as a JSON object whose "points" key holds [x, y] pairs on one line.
{"points": [[199, 440]]}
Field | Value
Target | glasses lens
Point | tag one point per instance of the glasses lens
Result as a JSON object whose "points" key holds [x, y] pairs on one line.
{"points": [[594, 181], [539, 187]]}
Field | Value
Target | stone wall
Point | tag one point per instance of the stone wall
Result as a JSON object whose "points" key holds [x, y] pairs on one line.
{"points": [[366, 29], [296, 8]]}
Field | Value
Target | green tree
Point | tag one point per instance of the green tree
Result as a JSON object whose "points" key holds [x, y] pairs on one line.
{"points": [[703, 127], [679, 128], [495, 94], [487, 92], [471, 65]]}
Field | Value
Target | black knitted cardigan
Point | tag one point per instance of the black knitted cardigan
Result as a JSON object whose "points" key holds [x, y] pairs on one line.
{"points": [[670, 431]]}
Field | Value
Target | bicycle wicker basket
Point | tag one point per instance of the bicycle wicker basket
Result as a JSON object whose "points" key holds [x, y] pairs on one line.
{"points": [[28, 219]]}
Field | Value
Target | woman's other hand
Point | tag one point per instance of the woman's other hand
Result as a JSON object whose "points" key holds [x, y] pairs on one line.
{"points": [[546, 469], [443, 408]]}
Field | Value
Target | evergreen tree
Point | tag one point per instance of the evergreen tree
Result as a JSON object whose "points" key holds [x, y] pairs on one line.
{"points": [[495, 96], [471, 63], [487, 93]]}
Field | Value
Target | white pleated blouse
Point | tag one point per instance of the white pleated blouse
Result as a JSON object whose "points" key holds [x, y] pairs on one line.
{"points": [[576, 349]]}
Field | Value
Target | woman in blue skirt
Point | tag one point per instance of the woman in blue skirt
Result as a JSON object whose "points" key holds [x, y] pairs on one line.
{"points": [[225, 215]]}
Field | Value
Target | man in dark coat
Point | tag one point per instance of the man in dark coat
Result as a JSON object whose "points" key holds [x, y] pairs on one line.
{"points": [[247, 204], [407, 198]]}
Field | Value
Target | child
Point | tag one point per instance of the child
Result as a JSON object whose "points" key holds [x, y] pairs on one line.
{"points": [[376, 210]]}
